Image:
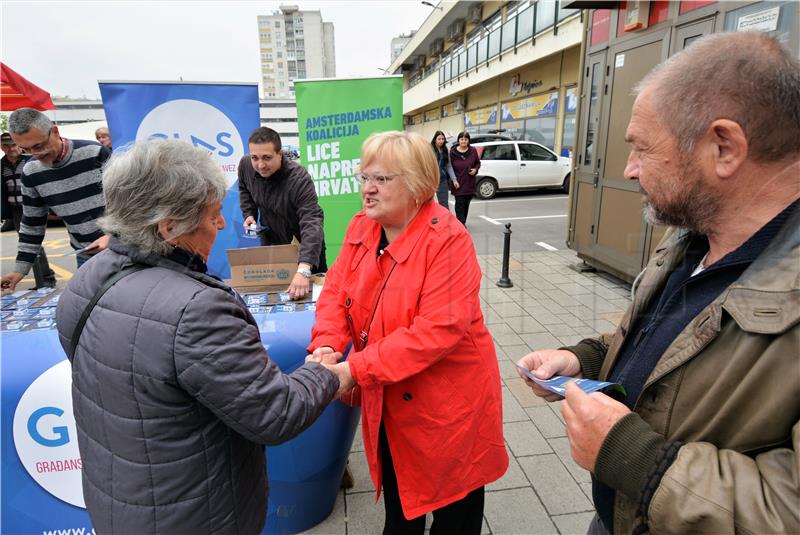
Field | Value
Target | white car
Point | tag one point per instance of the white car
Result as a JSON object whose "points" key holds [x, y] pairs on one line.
{"points": [[515, 165]]}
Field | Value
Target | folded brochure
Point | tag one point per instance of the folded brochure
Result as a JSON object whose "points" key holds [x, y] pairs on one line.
{"points": [[558, 384]]}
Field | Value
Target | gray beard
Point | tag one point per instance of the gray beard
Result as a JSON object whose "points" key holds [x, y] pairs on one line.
{"points": [[693, 208]]}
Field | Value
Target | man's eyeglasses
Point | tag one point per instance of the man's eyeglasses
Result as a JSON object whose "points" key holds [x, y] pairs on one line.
{"points": [[38, 148], [378, 180]]}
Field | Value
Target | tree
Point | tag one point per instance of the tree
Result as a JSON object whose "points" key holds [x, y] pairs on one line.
{"points": [[3, 122]]}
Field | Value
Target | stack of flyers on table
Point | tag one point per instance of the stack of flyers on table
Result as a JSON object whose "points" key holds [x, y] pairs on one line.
{"points": [[256, 309], [284, 297], [286, 307], [256, 299], [558, 383]]}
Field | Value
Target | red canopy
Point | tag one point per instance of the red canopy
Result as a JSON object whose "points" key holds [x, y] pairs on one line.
{"points": [[17, 92]]}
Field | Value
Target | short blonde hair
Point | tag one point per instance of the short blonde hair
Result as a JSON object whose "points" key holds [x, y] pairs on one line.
{"points": [[409, 155], [102, 130]]}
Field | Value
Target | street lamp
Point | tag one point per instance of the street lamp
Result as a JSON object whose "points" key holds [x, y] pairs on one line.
{"points": [[431, 5]]}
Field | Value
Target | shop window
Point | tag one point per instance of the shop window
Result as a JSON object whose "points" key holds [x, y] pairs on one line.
{"points": [[594, 115], [568, 134], [541, 130], [659, 11], [601, 25], [772, 18], [691, 5]]}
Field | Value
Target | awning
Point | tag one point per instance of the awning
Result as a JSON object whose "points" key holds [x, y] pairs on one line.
{"points": [[17, 92]]}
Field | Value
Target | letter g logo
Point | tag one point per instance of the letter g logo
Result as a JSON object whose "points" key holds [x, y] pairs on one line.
{"points": [[61, 432]]}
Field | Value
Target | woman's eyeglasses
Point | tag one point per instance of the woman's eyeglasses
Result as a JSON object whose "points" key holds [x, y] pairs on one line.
{"points": [[378, 180]]}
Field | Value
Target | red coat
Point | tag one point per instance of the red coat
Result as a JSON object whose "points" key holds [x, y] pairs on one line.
{"points": [[429, 368]]}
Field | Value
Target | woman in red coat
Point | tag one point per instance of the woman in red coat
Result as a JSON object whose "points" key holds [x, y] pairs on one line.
{"points": [[404, 290]]}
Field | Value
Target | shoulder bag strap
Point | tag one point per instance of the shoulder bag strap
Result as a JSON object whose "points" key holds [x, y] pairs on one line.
{"points": [[76, 334]]}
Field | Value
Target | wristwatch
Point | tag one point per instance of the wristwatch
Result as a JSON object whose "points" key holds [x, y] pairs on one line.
{"points": [[304, 272]]}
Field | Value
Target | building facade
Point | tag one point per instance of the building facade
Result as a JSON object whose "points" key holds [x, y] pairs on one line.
{"points": [[624, 41], [484, 67], [294, 44]]}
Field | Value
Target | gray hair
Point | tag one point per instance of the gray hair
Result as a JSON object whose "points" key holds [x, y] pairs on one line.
{"points": [[24, 119], [153, 181], [746, 77]]}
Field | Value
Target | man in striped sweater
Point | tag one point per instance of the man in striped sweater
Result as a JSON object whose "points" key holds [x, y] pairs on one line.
{"points": [[63, 176]]}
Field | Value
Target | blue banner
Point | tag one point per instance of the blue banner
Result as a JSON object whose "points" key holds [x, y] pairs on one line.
{"points": [[216, 117]]}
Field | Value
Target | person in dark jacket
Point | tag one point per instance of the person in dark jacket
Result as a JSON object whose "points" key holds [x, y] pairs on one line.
{"points": [[439, 144], [173, 393], [466, 162], [280, 193]]}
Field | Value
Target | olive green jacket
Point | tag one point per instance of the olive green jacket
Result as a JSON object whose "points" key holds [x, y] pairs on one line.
{"points": [[729, 388]]}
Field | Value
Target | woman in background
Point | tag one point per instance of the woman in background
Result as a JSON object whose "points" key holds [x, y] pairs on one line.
{"points": [[466, 162], [439, 144]]}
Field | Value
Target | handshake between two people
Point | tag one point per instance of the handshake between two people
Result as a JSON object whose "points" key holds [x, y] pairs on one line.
{"points": [[330, 359]]}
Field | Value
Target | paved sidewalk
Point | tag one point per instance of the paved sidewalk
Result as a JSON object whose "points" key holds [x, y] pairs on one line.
{"points": [[543, 491]]}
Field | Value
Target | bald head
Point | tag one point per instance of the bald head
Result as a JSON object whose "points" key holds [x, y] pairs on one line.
{"points": [[746, 77]]}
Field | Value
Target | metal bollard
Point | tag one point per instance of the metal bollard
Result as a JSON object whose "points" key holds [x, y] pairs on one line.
{"points": [[504, 281]]}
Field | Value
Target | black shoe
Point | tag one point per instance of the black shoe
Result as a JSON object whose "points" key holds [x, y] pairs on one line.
{"points": [[7, 225]]}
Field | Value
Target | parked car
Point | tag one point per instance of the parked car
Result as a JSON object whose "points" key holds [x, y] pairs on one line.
{"points": [[516, 165]]}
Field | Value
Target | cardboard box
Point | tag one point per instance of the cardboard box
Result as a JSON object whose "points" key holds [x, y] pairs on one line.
{"points": [[272, 265], [267, 269]]}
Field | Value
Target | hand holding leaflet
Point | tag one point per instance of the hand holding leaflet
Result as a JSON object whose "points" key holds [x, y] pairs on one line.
{"points": [[558, 383]]}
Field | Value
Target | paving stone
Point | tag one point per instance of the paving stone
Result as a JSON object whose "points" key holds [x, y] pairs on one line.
{"points": [[364, 516], [358, 466], [571, 339], [512, 479], [538, 341], [548, 424], [335, 523], [508, 369], [508, 339], [551, 306], [573, 288], [574, 523], [524, 439], [555, 406], [558, 491], [581, 311], [572, 320], [543, 316], [560, 329], [512, 410], [496, 295], [508, 310], [523, 393], [485, 527], [490, 316], [514, 353], [525, 325], [561, 448], [601, 325], [358, 440], [516, 511]]}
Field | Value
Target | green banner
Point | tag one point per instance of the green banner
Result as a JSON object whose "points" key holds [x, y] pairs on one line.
{"points": [[334, 118]]}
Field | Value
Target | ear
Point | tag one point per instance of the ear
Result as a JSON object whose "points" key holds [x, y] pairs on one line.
{"points": [[729, 146], [165, 229]]}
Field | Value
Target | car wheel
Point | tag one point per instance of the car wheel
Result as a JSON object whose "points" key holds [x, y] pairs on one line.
{"points": [[487, 188], [565, 185]]}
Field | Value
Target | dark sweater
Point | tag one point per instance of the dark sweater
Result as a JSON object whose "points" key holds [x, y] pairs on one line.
{"points": [[462, 163], [681, 300], [286, 203], [72, 189]]}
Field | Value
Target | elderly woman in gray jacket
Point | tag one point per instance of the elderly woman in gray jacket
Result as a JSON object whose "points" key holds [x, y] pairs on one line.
{"points": [[173, 393]]}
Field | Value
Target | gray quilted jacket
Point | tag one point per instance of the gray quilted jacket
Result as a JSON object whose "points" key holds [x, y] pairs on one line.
{"points": [[174, 397]]}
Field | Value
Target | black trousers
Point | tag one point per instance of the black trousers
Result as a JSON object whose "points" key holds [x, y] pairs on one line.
{"points": [[464, 517], [462, 208]]}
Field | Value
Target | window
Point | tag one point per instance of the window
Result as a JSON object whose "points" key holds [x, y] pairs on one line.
{"points": [[277, 24], [545, 14], [499, 152], [535, 153], [280, 55]]}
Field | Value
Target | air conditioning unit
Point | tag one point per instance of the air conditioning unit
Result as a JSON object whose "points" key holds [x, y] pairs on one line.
{"points": [[459, 104], [437, 47], [475, 14], [456, 30]]}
